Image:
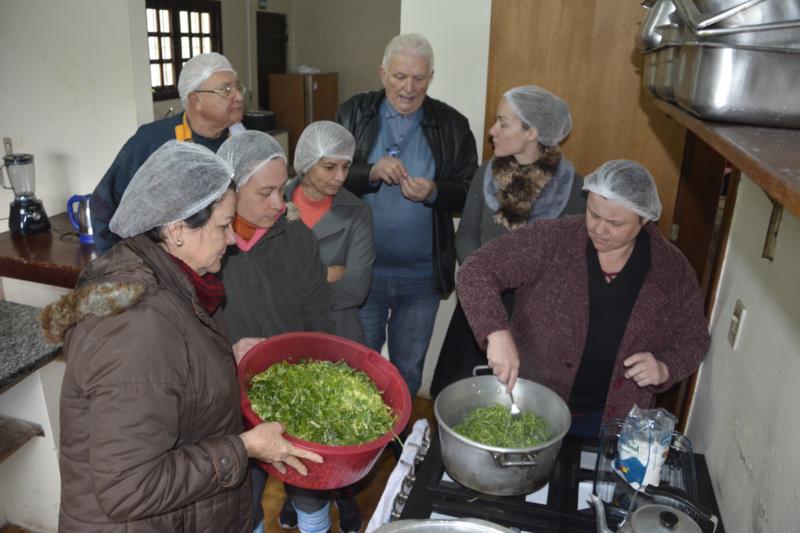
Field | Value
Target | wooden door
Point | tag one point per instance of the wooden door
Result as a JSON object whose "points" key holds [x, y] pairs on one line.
{"points": [[325, 96], [287, 100], [584, 51], [271, 42]]}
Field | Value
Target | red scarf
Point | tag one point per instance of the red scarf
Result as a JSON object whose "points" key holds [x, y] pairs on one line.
{"points": [[209, 288]]}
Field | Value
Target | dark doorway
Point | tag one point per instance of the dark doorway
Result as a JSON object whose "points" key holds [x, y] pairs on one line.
{"points": [[271, 42]]}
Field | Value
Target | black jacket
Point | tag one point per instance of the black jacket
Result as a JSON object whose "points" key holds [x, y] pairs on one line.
{"points": [[456, 158]]}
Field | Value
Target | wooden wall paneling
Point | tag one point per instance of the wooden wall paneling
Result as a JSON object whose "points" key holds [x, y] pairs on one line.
{"points": [[584, 51]]}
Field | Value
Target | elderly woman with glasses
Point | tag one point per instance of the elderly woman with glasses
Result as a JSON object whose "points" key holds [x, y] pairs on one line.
{"points": [[607, 313], [151, 431], [527, 179]]}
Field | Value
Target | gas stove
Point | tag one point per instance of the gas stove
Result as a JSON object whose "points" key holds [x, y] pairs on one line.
{"points": [[558, 507]]}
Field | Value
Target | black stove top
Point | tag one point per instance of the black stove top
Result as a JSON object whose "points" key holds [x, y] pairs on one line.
{"points": [[553, 509]]}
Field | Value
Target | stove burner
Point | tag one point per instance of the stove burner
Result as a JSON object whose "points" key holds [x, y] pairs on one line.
{"points": [[553, 508]]}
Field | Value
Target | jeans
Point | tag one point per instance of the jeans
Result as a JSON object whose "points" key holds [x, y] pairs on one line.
{"points": [[408, 307]]}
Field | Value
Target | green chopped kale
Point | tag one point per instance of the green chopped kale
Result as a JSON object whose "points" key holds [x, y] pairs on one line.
{"points": [[320, 401], [493, 426]]}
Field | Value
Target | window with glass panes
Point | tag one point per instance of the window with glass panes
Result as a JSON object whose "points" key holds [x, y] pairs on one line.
{"points": [[176, 31]]}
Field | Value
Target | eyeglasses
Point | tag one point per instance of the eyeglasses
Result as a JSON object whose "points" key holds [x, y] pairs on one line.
{"points": [[227, 91]]}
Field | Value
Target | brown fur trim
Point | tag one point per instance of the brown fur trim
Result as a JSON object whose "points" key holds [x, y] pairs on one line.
{"points": [[518, 186], [101, 299]]}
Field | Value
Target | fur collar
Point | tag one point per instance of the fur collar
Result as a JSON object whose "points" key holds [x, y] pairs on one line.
{"points": [[99, 299], [519, 186]]}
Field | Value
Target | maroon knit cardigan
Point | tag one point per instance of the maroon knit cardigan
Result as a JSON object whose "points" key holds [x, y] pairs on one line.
{"points": [[546, 262]]}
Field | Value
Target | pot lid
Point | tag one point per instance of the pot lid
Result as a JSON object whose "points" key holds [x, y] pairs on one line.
{"points": [[657, 518]]}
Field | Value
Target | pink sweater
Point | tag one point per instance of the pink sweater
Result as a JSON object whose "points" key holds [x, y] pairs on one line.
{"points": [[546, 262]]}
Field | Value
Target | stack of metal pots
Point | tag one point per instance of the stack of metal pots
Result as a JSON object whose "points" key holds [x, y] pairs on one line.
{"points": [[725, 60]]}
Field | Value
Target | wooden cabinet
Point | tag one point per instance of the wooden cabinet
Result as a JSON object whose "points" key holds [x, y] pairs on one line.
{"points": [[300, 99]]}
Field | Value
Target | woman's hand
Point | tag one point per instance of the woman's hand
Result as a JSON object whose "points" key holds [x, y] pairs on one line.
{"points": [[503, 357], [645, 369], [265, 442], [243, 346], [335, 273], [389, 170]]}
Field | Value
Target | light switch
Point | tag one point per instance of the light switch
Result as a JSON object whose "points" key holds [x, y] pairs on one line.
{"points": [[736, 323]]}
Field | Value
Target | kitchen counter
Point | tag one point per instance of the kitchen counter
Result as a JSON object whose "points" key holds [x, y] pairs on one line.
{"points": [[24, 349], [768, 156], [52, 258]]}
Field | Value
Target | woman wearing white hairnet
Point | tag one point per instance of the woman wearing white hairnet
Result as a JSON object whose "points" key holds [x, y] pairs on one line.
{"points": [[274, 278], [527, 179], [151, 431], [607, 313], [341, 222]]}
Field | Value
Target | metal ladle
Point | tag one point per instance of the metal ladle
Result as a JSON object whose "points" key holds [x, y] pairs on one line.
{"points": [[515, 412]]}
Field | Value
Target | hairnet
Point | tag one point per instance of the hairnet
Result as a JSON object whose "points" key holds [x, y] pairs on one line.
{"points": [[174, 183], [248, 151], [627, 183], [323, 139], [542, 110], [198, 69]]}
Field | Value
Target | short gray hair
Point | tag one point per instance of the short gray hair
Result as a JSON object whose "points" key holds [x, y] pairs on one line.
{"points": [[410, 44]]}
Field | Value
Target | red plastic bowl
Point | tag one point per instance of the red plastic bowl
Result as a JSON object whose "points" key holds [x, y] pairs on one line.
{"points": [[344, 465]]}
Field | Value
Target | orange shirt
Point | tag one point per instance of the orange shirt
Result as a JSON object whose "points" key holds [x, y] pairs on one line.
{"points": [[243, 228], [311, 210]]}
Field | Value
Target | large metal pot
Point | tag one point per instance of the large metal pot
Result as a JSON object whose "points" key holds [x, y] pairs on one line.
{"points": [[748, 85], [464, 525], [491, 470]]}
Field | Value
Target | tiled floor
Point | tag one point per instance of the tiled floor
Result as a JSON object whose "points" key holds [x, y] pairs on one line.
{"points": [[367, 498]]}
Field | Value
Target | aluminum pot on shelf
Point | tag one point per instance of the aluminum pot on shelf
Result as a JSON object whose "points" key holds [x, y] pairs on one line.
{"points": [[748, 85], [492, 470]]}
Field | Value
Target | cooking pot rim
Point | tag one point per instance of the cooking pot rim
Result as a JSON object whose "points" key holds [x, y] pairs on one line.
{"points": [[555, 438]]}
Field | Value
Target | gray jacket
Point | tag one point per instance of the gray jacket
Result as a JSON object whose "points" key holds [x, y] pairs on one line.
{"points": [[279, 286], [345, 239], [477, 225]]}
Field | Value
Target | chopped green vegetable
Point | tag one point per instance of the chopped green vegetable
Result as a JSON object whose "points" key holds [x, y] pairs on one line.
{"points": [[320, 401], [493, 426]]}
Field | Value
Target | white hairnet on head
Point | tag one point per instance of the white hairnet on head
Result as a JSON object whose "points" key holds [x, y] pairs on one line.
{"points": [[627, 183], [175, 182], [541, 109], [248, 151], [198, 69], [323, 139]]}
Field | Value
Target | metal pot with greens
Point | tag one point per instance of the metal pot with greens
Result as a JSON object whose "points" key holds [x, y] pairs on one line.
{"points": [[492, 468]]}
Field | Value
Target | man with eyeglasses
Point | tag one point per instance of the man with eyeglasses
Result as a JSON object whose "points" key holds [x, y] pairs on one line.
{"points": [[213, 101], [414, 160]]}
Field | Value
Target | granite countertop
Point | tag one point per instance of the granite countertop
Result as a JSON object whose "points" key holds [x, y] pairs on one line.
{"points": [[23, 349]]}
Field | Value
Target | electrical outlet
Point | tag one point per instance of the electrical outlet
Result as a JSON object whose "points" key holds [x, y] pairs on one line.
{"points": [[7, 145], [737, 320]]}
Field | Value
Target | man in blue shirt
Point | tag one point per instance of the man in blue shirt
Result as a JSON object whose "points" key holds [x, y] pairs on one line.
{"points": [[213, 100], [415, 157]]}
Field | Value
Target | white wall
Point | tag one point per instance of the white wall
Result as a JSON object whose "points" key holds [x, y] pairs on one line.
{"points": [[69, 94], [319, 39], [461, 62], [745, 415]]}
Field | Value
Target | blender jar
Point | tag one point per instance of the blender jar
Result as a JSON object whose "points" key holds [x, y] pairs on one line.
{"points": [[21, 174]]}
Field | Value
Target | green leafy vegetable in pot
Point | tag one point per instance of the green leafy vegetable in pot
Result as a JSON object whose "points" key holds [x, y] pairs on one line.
{"points": [[493, 426], [320, 401]]}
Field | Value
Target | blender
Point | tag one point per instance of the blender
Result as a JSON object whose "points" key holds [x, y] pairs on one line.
{"points": [[27, 212]]}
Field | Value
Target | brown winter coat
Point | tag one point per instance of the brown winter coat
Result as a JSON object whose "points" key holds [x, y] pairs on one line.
{"points": [[149, 404]]}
